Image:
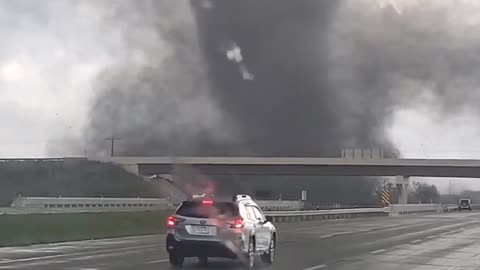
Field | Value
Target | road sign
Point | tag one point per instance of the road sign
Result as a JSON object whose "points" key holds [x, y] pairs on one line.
{"points": [[385, 196]]}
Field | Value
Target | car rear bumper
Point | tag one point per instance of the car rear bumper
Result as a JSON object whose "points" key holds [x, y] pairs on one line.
{"points": [[188, 248]]}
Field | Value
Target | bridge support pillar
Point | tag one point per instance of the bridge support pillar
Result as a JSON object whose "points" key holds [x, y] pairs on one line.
{"points": [[402, 188]]}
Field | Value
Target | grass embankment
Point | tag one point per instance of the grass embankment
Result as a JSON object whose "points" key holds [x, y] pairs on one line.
{"points": [[17, 230]]}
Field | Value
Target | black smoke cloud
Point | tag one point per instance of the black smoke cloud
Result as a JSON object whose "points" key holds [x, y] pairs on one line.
{"points": [[418, 53], [279, 78], [196, 100], [156, 96]]}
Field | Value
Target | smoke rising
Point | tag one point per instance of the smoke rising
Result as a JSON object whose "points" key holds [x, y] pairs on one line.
{"points": [[295, 108], [230, 80], [420, 53], [156, 98], [303, 78], [280, 78]]}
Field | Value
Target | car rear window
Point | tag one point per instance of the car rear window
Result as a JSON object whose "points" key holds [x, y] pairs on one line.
{"points": [[200, 210]]}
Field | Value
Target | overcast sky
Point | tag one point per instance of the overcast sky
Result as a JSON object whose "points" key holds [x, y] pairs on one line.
{"points": [[52, 51]]}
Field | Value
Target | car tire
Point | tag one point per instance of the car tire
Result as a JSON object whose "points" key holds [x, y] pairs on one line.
{"points": [[269, 257], [251, 254], [202, 260], [175, 260]]}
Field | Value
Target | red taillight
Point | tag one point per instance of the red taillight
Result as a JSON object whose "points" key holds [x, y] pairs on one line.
{"points": [[238, 224], [171, 221], [207, 202]]}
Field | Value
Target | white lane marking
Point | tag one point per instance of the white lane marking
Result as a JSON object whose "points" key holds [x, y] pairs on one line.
{"points": [[316, 267], [384, 227], [81, 243], [416, 241], [431, 236], [405, 235], [73, 254], [97, 256], [336, 234], [157, 261], [32, 265], [319, 226], [46, 249], [373, 227], [378, 251]]}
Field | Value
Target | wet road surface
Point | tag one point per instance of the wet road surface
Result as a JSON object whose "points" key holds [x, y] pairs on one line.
{"points": [[449, 241]]}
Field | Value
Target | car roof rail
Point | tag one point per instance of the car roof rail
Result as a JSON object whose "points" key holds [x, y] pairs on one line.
{"points": [[239, 197]]}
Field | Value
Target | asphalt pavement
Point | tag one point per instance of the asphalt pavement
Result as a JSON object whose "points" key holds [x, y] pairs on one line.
{"points": [[449, 241]]}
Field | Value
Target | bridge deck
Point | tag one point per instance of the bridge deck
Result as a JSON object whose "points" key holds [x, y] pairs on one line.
{"points": [[309, 166]]}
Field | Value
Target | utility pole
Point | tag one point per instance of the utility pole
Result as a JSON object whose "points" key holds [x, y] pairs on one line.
{"points": [[112, 144]]}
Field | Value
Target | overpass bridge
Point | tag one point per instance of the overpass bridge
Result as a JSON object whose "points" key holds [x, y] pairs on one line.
{"points": [[402, 169], [306, 166]]}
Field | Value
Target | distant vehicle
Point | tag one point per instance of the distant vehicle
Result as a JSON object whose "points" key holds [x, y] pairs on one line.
{"points": [[464, 204], [200, 196], [234, 229]]}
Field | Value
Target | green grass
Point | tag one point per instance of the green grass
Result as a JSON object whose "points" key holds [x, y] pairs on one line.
{"points": [[18, 230]]}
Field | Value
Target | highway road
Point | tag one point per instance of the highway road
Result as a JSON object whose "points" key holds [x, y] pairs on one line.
{"points": [[448, 241]]}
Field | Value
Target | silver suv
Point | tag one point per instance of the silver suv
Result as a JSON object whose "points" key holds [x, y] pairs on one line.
{"points": [[234, 229]]}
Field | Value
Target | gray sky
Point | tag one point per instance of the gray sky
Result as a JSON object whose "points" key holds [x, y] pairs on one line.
{"points": [[51, 53], [53, 50]]}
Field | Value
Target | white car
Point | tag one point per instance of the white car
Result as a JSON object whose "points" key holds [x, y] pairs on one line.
{"points": [[464, 204], [235, 229]]}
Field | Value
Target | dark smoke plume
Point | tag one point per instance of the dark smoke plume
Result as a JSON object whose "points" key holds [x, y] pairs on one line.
{"points": [[157, 98], [291, 107], [279, 77], [244, 78]]}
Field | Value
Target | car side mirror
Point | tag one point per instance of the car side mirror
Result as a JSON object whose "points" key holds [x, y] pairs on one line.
{"points": [[269, 218]]}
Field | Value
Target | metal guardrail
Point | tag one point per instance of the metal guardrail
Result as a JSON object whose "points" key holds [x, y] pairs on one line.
{"points": [[289, 216], [408, 209], [323, 212], [28, 211], [273, 205], [86, 202], [53, 205], [454, 207], [393, 210]]}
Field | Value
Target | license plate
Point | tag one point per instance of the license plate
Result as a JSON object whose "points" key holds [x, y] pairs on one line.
{"points": [[206, 230]]}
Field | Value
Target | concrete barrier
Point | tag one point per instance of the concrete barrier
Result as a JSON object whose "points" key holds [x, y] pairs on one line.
{"points": [[408, 209]]}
